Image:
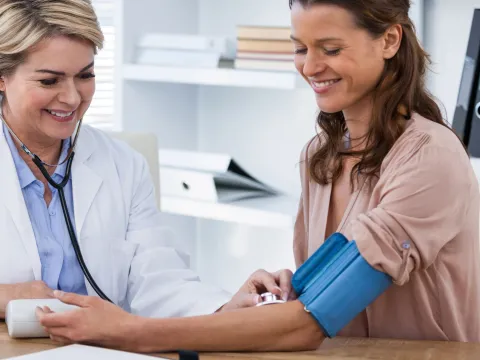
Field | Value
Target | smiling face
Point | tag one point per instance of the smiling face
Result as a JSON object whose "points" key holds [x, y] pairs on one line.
{"points": [[50, 91], [342, 62]]}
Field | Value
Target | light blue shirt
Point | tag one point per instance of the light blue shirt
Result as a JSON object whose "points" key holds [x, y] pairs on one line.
{"points": [[60, 267]]}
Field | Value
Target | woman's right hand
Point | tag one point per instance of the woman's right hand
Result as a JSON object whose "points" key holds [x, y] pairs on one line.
{"points": [[28, 290], [278, 283]]}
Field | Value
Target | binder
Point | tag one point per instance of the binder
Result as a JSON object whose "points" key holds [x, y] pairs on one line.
{"points": [[466, 120], [207, 177]]}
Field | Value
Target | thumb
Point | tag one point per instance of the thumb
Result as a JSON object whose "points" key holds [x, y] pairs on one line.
{"points": [[71, 298], [50, 293], [247, 300]]}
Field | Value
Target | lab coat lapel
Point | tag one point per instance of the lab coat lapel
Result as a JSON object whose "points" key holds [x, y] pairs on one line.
{"points": [[12, 197], [85, 181]]}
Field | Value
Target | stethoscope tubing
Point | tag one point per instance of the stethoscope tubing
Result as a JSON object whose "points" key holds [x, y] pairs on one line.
{"points": [[60, 187]]}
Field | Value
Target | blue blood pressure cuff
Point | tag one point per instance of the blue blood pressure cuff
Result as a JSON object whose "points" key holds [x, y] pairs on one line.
{"points": [[336, 283]]}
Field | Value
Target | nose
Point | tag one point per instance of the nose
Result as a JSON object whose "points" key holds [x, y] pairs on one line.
{"points": [[70, 95], [313, 64]]}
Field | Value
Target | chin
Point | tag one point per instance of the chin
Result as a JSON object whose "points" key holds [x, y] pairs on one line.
{"points": [[329, 107], [60, 132]]}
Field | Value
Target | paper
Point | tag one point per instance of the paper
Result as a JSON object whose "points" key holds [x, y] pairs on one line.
{"points": [[81, 352]]}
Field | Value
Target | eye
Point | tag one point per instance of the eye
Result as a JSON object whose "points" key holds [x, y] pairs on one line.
{"points": [[49, 82], [300, 51], [87, 76], [332, 52]]}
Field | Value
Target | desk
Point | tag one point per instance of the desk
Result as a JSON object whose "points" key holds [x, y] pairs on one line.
{"points": [[331, 349]]}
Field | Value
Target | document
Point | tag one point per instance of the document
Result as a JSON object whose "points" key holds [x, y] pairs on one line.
{"points": [[82, 352]]}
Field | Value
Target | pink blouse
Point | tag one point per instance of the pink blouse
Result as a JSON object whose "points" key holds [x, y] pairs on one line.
{"points": [[419, 223]]}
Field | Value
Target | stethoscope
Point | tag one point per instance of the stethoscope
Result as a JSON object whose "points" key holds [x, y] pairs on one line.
{"points": [[60, 187]]}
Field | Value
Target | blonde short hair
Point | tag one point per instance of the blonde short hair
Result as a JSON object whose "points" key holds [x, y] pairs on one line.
{"points": [[25, 23]]}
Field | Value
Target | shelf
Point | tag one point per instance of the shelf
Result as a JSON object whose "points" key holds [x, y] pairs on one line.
{"points": [[274, 212], [219, 77]]}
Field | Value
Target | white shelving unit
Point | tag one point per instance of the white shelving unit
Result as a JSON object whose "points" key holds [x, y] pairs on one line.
{"points": [[219, 77], [273, 212], [260, 118]]}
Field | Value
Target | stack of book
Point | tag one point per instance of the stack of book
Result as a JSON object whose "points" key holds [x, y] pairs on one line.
{"points": [[264, 48], [183, 50]]}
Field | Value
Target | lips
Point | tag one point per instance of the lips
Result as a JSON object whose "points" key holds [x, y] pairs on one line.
{"points": [[324, 86], [61, 115], [324, 83]]}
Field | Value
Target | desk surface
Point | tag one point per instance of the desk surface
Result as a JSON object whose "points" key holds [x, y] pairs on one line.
{"points": [[331, 349]]}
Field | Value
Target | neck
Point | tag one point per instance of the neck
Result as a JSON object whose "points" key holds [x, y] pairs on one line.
{"points": [[357, 120], [47, 149]]}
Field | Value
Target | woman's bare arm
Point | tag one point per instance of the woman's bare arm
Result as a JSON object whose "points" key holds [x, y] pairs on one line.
{"points": [[279, 327]]}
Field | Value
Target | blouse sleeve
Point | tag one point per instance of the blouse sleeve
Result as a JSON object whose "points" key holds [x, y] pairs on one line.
{"points": [[422, 202], [300, 237]]}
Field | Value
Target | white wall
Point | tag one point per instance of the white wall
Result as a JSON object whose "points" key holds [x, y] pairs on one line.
{"points": [[446, 32], [416, 14]]}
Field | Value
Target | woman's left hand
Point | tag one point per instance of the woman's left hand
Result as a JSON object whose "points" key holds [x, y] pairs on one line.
{"points": [[96, 322]]}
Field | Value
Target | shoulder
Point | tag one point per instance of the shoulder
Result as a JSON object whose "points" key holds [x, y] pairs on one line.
{"points": [[439, 135], [426, 141], [430, 153]]}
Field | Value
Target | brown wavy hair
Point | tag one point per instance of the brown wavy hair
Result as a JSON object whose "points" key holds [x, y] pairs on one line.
{"points": [[400, 92]]}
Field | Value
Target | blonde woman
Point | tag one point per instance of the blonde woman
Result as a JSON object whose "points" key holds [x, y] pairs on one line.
{"points": [[77, 209]]}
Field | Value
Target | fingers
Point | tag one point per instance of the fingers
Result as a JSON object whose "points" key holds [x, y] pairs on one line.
{"points": [[262, 279], [61, 340], [284, 278], [52, 319], [293, 296], [58, 332], [241, 300], [71, 298], [248, 300]]}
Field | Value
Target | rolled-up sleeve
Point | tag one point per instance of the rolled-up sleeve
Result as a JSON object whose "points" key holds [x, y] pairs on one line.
{"points": [[422, 204]]}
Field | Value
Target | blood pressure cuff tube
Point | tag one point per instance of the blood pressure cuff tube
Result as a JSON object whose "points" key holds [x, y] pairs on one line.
{"points": [[336, 283]]}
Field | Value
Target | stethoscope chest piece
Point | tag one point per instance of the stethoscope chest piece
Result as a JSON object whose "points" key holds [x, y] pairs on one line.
{"points": [[268, 299]]}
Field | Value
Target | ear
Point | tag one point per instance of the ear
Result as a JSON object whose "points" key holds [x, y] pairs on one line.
{"points": [[2, 84], [392, 40]]}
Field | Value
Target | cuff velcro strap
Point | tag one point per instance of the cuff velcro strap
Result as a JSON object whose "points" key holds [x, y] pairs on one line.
{"points": [[336, 283]]}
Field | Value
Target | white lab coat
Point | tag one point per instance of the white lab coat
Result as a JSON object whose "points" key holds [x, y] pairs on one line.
{"points": [[117, 224]]}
